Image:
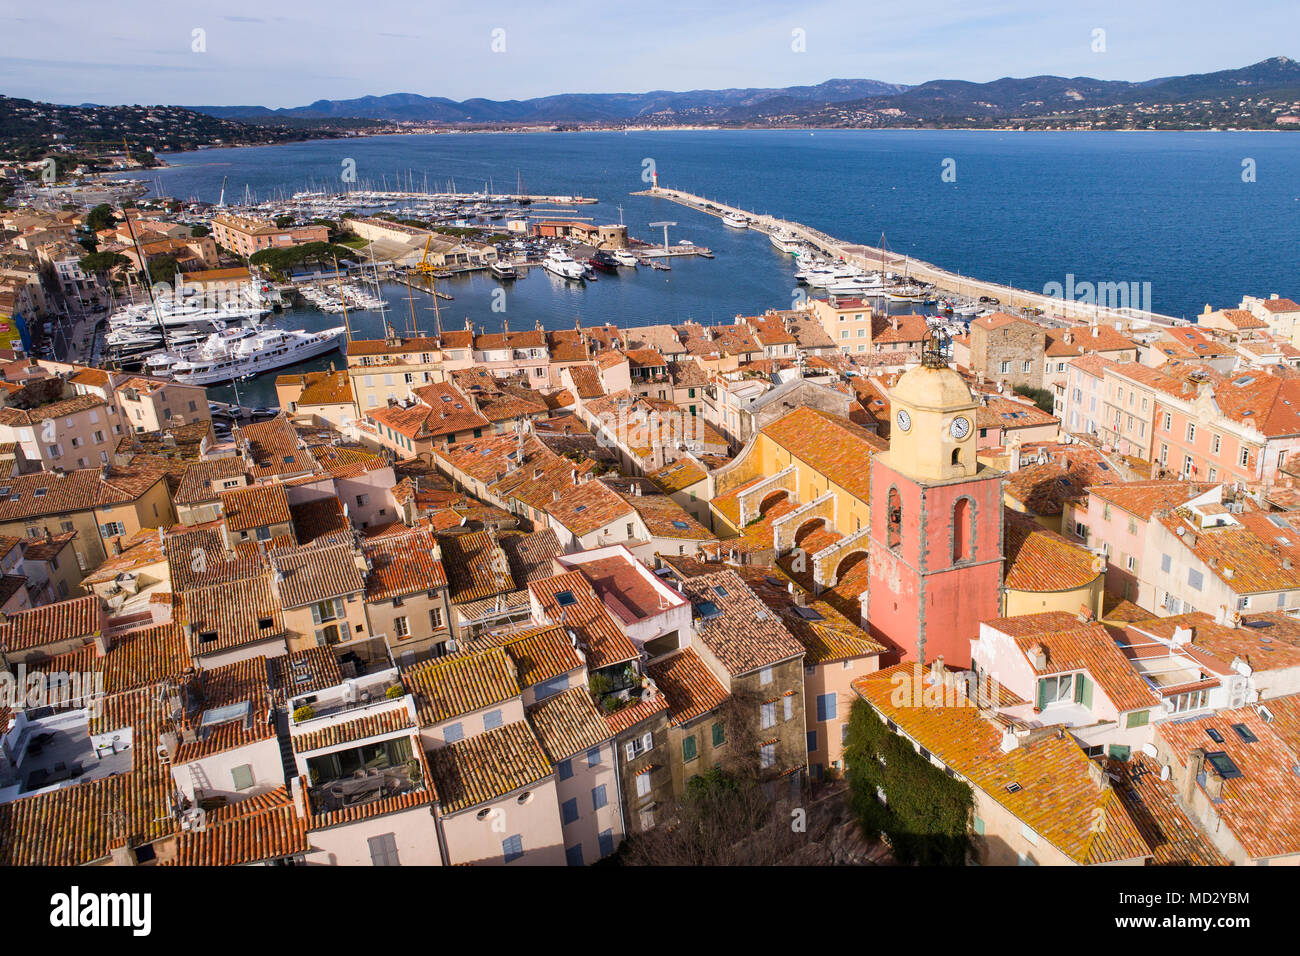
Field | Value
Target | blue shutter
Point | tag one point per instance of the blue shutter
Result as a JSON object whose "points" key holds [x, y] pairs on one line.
{"points": [[812, 741], [569, 809], [832, 706], [565, 768], [512, 847], [593, 757], [606, 840], [598, 799], [573, 855]]}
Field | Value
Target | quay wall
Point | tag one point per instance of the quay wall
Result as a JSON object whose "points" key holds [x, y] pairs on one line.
{"points": [[869, 257]]}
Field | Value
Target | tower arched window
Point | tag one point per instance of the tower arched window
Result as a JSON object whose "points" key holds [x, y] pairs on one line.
{"points": [[894, 518], [963, 530]]}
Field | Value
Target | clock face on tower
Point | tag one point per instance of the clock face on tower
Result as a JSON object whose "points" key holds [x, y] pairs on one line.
{"points": [[904, 419], [960, 428]]}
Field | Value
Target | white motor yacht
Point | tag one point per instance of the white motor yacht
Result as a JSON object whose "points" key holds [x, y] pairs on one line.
{"points": [[560, 263]]}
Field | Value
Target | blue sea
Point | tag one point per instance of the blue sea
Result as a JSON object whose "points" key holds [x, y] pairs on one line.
{"points": [[1203, 217]]}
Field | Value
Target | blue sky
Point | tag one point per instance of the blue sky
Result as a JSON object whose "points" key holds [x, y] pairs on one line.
{"points": [[133, 51]]}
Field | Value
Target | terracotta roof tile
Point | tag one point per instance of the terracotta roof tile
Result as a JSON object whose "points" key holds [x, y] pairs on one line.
{"points": [[600, 637], [688, 685], [81, 617], [568, 723], [255, 507], [492, 764], [745, 635], [1057, 795], [256, 830], [1038, 559], [449, 687], [1261, 807], [831, 446], [403, 564], [348, 731]]}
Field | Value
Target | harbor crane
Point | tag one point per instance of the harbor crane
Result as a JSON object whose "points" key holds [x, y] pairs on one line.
{"points": [[656, 225], [430, 272]]}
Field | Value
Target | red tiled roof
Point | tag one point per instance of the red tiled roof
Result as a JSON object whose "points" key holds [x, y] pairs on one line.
{"points": [[262, 828], [1038, 559], [690, 688], [402, 564], [604, 642], [255, 507], [832, 446], [52, 623]]}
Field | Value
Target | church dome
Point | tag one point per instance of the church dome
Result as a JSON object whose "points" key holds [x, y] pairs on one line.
{"points": [[931, 388]]}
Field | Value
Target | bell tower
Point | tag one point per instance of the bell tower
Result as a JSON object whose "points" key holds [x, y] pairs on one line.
{"points": [[932, 436], [935, 548]]}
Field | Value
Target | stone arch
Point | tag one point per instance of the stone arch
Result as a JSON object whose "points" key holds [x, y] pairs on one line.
{"points": [[771, 499], [802, 532], [848, 563]]}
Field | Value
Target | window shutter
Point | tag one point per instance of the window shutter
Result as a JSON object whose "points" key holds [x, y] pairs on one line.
{"points": [[629, 749], [647, 741], [315, 613], [1079, 681], [1042, 694]]}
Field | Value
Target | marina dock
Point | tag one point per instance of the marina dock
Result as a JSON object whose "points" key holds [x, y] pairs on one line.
{"points": [[872, 258], [418, 287], [393, 195]]}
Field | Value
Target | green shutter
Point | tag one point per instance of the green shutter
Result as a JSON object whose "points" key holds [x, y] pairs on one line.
{"points": [[688, 748], [1139, 718], [1087, 692], [719, 735], [1042, 693], [1079, 681]]}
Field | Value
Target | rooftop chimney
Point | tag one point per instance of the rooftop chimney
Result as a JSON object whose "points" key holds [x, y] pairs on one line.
{"points": [[1195, 763]]}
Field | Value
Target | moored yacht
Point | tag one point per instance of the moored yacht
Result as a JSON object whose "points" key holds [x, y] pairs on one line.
{"points": [[560, 263], [604, 262], [736, 221], [784, 242]]}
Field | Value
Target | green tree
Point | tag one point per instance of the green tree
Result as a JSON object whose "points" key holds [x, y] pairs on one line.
{"points": [[285, 221], [101, 217], [1039, 396], [163, 269], [98, 263], [198, 232], [284, 261]]}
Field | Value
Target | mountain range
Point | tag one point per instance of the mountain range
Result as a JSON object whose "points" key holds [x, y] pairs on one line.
{"points": [[835, 102], [563, 107]]}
